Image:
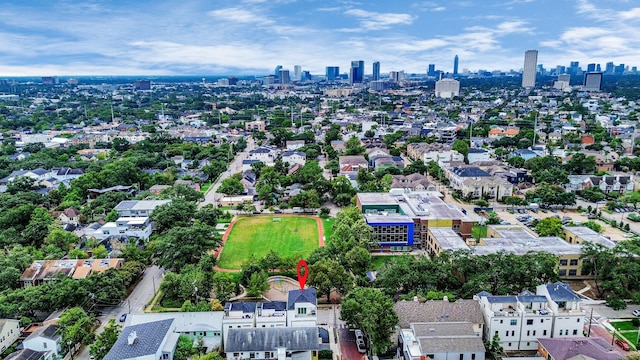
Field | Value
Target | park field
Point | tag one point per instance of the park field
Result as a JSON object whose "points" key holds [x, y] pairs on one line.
{"points": [[288, 236]]}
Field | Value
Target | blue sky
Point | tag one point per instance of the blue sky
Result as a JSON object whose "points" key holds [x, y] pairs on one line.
{"points": [[192, 37]]}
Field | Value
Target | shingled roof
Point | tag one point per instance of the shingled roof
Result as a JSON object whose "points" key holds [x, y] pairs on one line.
{"points": [[438, 311]]}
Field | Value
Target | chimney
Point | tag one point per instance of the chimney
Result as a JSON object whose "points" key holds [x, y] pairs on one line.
{"points": [[132, 338]]}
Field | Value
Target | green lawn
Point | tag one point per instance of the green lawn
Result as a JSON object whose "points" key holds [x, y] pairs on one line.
{"points": [[327, 226], [378, 261], [479, 231], [291, 236], [205, 187], [627, 329]]}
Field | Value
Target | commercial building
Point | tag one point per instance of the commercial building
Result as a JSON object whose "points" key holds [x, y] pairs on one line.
{"points": [[401, 220], [447, 88], [592, 81], [376, 71], [455, 65], [297, 73], [332, 72], [356, 72], [529, 71]]}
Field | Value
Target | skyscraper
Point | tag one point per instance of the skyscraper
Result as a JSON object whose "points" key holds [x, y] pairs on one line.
{"points": [[356, 75], [609, 68], [277, 71], [284, 76], [297, 72], [529, 71], [432, 70], [591, 67], [332, 72], [376, 70], [455, 65]]}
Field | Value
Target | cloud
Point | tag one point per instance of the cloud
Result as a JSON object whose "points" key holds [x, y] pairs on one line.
{"points": [[630, 14], [379, 21], [239, 15]]}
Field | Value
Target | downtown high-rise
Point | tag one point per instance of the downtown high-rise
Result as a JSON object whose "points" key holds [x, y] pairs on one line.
{"points": [[529, 70], [376, 71], [356, 73], [332, 72], [455, 65]]}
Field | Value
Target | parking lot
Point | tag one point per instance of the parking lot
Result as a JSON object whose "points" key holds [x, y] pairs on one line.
{"points": [[527, 216]]}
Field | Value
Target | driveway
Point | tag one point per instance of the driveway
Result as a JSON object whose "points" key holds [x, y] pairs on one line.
{"points": [[348, 345]]}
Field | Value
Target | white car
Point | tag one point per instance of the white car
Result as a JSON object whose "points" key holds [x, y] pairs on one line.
{"points": [[636, 312]]}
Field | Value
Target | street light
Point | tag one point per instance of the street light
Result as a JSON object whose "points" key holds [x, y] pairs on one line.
{"points": [[69, 342]]}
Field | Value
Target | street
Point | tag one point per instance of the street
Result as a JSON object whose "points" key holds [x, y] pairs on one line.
{"points": [[134, 304], [211, 196]]}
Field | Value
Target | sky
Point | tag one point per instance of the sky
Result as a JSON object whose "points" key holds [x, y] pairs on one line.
{"points": [[252, 37]]}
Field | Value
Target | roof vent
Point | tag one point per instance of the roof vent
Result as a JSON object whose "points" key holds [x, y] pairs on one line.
{"points": [[132, 338]]}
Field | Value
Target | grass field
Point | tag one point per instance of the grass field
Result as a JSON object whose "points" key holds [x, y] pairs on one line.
{"points": [[205, 187], [378, 261], [292, 235], [627, 329], [327, 227], [479, 231]]}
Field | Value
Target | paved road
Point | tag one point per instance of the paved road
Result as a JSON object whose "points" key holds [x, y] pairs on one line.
{"points": [[134, 304], [235, 166]]}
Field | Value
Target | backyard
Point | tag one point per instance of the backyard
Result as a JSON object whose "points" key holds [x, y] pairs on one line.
{"points": [[627, 329], [286, 235]]}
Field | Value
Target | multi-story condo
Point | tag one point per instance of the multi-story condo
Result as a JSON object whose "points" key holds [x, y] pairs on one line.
{"points": [[529, 72], [568, 318]]}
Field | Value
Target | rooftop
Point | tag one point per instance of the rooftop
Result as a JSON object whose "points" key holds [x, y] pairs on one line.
{"points": [[269, 339], [148, 339], [461, 310]]}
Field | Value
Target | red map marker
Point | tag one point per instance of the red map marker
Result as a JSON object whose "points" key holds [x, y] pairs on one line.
{"points": [[302, 279]]}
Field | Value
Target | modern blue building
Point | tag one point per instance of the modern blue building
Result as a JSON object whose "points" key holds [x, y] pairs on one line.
{"points": [[356, 75], [376, 71], [332, 72]]}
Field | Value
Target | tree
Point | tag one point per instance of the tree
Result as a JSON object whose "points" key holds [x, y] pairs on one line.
{"points": [[186, 245], [462, 147], [105, 340], [61, 239], [75, 326], [632, 198], [372, 311], [38, 227], [593, 194], [493, 347], [177, 213], [223, 286], [208, 214], [593, 226], [231, 186], [328, 275], [258, 284], [184, 349], [581, 164], [549, 227]]}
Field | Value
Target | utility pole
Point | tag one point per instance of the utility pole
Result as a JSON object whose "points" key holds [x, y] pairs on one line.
{"points": [[590, 320], [535, 125]]}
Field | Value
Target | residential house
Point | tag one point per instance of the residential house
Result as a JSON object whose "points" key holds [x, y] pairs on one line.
{"points": [[478, 183], [440, 341], [42, 271], [157, 189], [478, 154], [246, 164], [412, 182], [610, 184], [437, 152], [568, 318], [265, 154], [292, 145], [94, 193], [255, 125], [526, 154], [136, 227], [351, 164], [28, 354], [338, 145], [9, 333], [440, 311], [205, 326], [70, 216], [293, 157], [302, 308], [383, 162], [271, 314], [518, 320], [37, 175], [238, 315], [499, 133], [188, 183], [66, 173], [146, 341], [376, 151], [138, 208], [46, 339], [583, 348], [289, 343]]}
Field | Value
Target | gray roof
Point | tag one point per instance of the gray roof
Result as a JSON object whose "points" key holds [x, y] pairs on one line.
{"points": [[269, 339], [457, 344], [26, 354], [438, 311], [561, 292], [298, 296], [149, 339], [501, 299], [594, 347], [49, 332]]}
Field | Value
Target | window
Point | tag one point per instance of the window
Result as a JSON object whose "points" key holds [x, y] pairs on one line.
{"points": [[563, 262], [544, 332], [473, 356], [501, 321], [575, 332], [236, 354], [528, 332], [302, 311], [529, 321], [513, 333], [252, 355], [573, 262], [534, 333], [562, 272], [509, 345], [513, 322], [541, 321], [506, 333], [461, 356], [496, 333], [573, 272], [44, 345], [578, 320]]}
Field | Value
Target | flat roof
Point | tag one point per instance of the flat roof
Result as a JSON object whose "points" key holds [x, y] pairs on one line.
{"points": [[385, 219], [448, 239], [586, 234], [377, 199], [516, 240]]}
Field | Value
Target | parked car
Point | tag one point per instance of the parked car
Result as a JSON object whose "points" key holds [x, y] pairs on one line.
{"points": [[636, 312], [359, 335], [277, 211], [363, 349], [123, 317], [623, 345]]}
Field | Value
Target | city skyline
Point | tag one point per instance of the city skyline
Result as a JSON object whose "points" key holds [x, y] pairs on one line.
{"points": [[250, 37]]}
